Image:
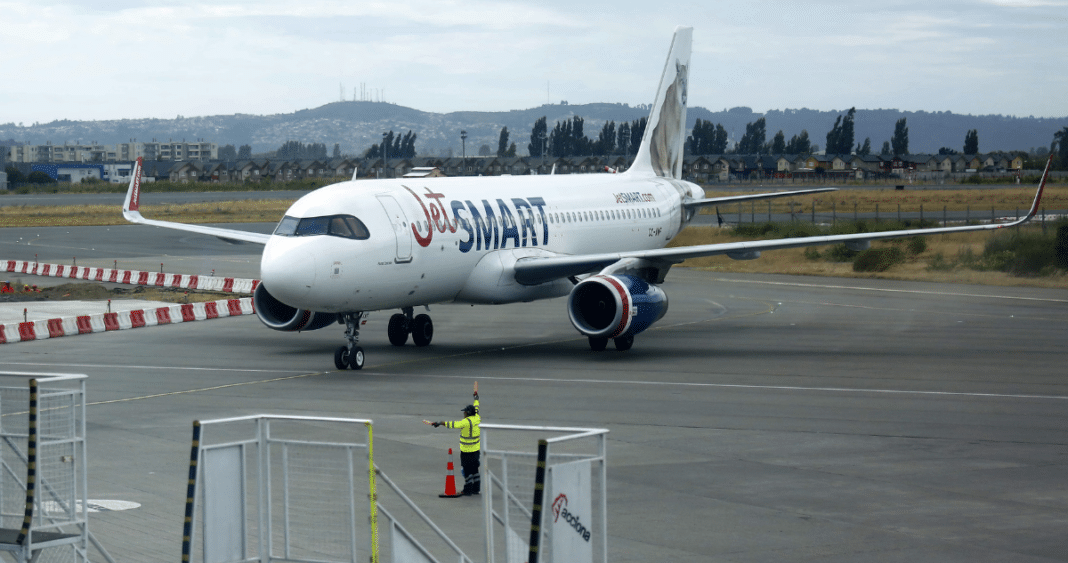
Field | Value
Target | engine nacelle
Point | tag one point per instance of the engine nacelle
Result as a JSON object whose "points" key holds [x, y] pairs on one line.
{"points": [[615, 306], [279, 316]]}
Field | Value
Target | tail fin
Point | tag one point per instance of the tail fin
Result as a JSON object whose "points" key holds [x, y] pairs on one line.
{"points": [[665, 132]]}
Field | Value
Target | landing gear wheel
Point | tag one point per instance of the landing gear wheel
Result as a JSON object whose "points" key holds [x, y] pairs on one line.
{"points": [[350, 356], [623, 343], [422, 330], [398, 330], [341, 358], [356, 358], [598, 343]]}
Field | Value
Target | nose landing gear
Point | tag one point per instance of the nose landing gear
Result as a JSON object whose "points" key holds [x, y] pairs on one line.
{"points": [[350, 356]]}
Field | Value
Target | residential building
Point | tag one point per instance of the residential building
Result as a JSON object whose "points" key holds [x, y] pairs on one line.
{"points": [[172, 151]]}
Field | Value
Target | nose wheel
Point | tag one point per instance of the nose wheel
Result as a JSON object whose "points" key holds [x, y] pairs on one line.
{"points": [[350, 356], [349, 359]]}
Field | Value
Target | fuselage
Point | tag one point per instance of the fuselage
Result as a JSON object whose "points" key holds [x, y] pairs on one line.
{"points": [[422, 241]]}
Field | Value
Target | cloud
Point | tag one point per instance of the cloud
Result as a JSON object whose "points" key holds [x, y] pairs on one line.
{"points": [[93, 60]]}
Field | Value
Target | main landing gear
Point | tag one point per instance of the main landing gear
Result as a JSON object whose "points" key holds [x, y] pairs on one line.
{"points": [[402, 324], [599, 343], [350, 356]]}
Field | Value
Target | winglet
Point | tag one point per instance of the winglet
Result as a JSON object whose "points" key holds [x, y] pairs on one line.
{"points": [[131, 207], [1041, 186], [665, 132]]}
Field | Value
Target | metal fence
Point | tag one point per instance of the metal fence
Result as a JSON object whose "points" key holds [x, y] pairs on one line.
{"points": [[281, 488], [559, 515], [43, 468]]}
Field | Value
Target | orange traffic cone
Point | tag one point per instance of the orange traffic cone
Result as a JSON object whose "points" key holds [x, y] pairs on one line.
{"points": [[450, 480]]}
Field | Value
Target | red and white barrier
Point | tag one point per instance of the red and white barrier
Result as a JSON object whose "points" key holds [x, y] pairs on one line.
{"points": [[131, 277], [103, 322]]}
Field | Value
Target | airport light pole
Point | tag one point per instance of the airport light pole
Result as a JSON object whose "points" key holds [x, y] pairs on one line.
{"points": [[545, 148], [463, 159]]}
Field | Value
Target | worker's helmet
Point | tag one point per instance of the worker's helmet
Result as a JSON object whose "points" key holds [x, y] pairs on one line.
{"points": [[469, 410]]}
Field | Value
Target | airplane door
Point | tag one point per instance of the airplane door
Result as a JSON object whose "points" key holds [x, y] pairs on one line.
{"points": [[401, 230]]}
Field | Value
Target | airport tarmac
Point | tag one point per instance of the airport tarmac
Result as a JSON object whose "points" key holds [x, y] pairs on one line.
{"points": [[765, 418]]}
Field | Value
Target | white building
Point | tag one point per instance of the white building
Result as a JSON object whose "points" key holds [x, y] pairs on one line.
{"points": [[111, 153]]}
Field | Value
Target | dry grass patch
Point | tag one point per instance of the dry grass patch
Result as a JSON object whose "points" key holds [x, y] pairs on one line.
{"points": [[979, 200], [793, 261], [251, 211]]}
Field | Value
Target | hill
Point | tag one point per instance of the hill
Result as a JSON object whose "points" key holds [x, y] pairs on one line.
{"points": [[357, 125]]}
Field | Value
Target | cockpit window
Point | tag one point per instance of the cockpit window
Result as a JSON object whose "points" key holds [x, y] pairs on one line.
{"points": [[344, 226]]}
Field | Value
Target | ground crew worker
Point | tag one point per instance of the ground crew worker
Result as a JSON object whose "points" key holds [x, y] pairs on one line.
{"points": [[470, 445]]}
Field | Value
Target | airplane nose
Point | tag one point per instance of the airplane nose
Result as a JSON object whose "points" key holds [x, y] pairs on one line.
{"points": [[287, 270]]}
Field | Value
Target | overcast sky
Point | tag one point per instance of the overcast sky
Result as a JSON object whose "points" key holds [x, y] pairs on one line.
{"points": [[82, 60]]}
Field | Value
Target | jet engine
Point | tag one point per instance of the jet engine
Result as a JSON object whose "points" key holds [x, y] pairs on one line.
{"points": [[279, 316], [615, 306]]}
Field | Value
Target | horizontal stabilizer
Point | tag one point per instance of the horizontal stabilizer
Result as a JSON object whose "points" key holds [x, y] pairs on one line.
{"points": [[751, 197]]}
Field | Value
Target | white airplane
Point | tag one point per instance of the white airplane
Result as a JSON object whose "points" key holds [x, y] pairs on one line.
{"points": [[353, 247]]}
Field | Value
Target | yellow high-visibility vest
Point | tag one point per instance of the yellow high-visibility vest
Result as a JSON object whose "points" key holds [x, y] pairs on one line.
{"points": [[470, 433]]}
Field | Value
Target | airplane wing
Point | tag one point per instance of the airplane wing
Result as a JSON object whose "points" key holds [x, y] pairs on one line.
{"points": [[535, 270], [751, 197], [130, 211]]}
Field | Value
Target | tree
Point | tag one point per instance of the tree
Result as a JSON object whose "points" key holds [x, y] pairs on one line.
{"points": [[944, 151], [14, 175], [719, 140], [567, 138], [971, 142], [1060, 138], [606, 139], [539, 136], [510, 153], [337, 150], [778, 144], [840, 137], [244, 152], [38, 177], [753, 140], [580, 145], [700, 137], [799, 144], [502, 143], [707, 138], [637, 131], [484, 150], [900, 140], [623, 138], [227, 152], [296, 150], [865, 149], [886, 151], [405, 147]]}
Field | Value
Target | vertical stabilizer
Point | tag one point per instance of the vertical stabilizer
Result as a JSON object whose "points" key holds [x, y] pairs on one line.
{"points": [[661, 150]]}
